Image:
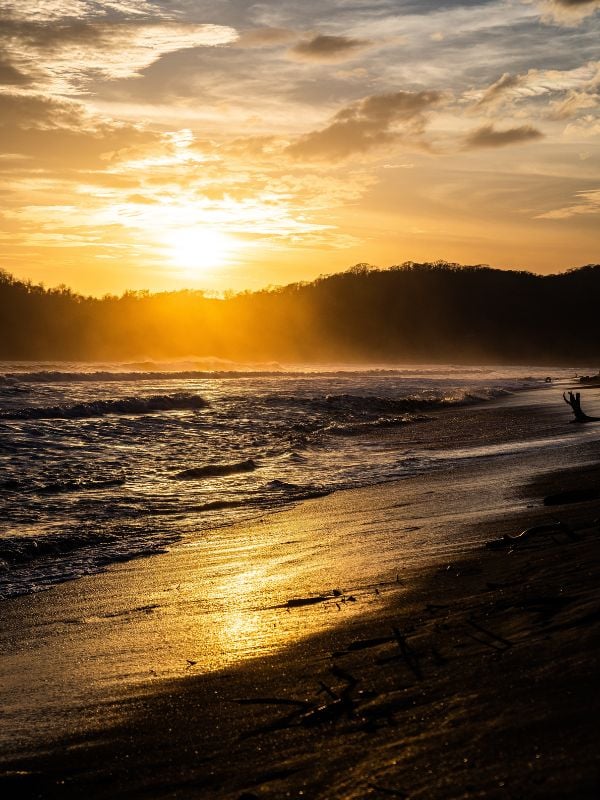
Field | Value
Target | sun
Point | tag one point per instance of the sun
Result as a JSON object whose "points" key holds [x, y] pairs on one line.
{"points": [[199, 249]]}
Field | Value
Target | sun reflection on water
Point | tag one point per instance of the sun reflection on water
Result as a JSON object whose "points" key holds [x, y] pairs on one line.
{"points": [[244, 628]]}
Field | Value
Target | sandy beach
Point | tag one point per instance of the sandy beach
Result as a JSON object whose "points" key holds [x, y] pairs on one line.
{"points": [[361, 645]]}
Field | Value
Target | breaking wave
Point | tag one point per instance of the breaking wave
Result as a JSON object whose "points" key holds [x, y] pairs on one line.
{"points": [[25, 549], [181, 401], [151, 371], [296, 491], [411, 403], [360, 428], [367, 406], [62, 485]]}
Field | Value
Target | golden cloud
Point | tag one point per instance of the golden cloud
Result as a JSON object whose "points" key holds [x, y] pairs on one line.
{"points": [[568, 12], [370, 123], [587, 203], [67, 55]]}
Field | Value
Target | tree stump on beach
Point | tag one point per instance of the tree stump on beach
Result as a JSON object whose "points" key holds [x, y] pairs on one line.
{"points": [[574, 400]]}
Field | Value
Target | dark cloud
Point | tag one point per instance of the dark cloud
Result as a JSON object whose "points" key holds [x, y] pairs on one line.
{"points": [[575, 3], [38, 111], [22, 33], [367, 124], [328, 48], [60, 132], [11, 76], [488, 136]]}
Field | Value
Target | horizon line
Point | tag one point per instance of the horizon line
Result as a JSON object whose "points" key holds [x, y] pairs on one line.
{"points": [[361, 267]]}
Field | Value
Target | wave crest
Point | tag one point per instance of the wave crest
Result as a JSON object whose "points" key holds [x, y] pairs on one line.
{"points": [[181, 401], [215, 470], [359, 428], [61, 485], [24, 549], [367, 407]]}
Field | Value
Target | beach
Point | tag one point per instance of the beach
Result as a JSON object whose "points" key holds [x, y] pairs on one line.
{"points": [[299, 400], [362, 644]]}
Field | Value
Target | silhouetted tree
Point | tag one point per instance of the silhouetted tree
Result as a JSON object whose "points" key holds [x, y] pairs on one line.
{"points": [[439, 312]]}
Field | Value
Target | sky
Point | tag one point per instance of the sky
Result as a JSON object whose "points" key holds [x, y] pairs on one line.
{"points": [[230, 145]]}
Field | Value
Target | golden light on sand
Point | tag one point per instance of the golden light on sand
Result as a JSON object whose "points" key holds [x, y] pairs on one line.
{"points": [[197, 249]]}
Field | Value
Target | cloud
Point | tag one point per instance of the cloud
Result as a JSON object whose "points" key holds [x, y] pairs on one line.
{"points": [[586, 77], [239, 198], [574, 4], [253, 146], [567, 12], [61, 134], [27, 110], [584, 129], [488, 136], [367, 124], [500, 88], [572, 104], [264, 37], [11, 76], [589, 203], [51, 10], [571, 90], [68, 55], [328, 48]]}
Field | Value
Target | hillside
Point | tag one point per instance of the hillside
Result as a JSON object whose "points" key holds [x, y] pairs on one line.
{"points": [[414, 312]]}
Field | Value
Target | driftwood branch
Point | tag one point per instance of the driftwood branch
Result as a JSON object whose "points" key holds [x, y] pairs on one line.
{"points": [[574, 401]]}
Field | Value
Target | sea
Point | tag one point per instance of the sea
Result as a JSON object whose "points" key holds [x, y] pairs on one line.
{"points": [[101, 463]]}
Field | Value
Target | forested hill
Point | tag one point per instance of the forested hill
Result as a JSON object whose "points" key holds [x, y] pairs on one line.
{"points": [[414, 312]]}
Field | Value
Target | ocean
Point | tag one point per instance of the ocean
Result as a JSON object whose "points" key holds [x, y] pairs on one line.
{"points": [[102, 463]]}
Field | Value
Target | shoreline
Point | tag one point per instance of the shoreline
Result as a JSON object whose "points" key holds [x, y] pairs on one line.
{"points": [[180, 736], [495, 426], [45, 491]]}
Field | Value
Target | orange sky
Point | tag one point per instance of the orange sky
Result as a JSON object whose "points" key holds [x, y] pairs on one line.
{"points": [[234, 145]]}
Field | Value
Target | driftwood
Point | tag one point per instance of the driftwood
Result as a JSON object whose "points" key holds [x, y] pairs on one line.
{"points": [[510, 540], [548, 527], [574, 400]]}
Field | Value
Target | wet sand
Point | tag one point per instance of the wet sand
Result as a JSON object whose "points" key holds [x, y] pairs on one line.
{"points": [[442, 669]]}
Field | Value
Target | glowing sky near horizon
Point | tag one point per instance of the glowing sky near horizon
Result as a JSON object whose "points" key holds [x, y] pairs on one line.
{"points": [[167, 143]]}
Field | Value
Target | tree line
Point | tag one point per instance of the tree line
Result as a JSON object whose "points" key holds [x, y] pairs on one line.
{"points": [[438, 312]]}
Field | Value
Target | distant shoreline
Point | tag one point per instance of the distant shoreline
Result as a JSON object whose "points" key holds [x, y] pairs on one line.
{"points": [[413, 312]]}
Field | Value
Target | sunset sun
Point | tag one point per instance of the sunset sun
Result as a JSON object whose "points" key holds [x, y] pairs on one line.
{"points": [[197, 249]]}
